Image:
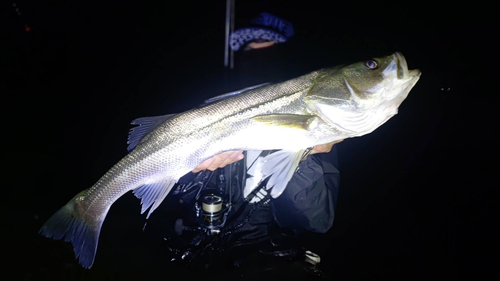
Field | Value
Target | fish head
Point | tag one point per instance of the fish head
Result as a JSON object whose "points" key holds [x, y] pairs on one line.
{"points": [[360, 97]]}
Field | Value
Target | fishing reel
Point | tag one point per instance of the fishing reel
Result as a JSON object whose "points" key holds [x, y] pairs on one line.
{"points": [[211, 207], [211, 212]]}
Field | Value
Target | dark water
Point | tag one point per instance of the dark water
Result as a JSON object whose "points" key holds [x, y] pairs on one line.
{"points": [[417, 195]]}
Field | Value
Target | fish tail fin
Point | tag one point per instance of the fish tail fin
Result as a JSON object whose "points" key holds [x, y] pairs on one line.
{"points": [[82, 230]]}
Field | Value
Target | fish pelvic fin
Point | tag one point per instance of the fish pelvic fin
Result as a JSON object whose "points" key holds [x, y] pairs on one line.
{"points": [[280, 167], [82, 230]]}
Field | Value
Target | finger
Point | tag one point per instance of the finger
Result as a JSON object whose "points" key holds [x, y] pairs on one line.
{"points": [[234, 157], [204, 165], [218, 160], [324, 148]]}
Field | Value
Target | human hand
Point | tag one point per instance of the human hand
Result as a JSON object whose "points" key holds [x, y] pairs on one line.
{"points": [[220, 161], [324, 148], [229, 157]]}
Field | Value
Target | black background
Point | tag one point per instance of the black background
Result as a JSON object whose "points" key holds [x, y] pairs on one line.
{"points": [[418, 196]]}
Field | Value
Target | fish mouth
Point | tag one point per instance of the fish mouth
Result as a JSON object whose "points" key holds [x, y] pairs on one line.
{"points": [[403, 72]]}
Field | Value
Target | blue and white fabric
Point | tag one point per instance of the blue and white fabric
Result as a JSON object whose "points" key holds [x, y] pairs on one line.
{"points": [[264, 27]]}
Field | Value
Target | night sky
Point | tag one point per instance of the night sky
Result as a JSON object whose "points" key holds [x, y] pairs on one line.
{"points": [[418, 196]]}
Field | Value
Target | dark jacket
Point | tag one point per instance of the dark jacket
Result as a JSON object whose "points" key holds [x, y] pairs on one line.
{"points": [[307, 204]]}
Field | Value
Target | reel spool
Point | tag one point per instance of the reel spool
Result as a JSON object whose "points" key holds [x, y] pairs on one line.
{"points": [[211, 215]]}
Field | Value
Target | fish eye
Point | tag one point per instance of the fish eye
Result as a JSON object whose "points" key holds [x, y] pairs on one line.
{"points": [[371, 64]]}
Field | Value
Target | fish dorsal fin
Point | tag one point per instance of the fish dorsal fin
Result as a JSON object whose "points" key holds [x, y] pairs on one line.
{"points": [[280, 166], [153, 194], [232, 94], [146, 126]]}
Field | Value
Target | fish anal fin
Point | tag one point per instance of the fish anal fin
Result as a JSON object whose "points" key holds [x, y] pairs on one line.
{"points": [[153, 194]]}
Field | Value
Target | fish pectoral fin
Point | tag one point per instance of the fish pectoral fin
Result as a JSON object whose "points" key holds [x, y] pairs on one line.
{"points": [[153, 194], [295, 121], [146, 126], [280, 167]]}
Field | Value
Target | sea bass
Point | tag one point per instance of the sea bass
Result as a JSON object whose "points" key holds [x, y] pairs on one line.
{"points": [[317, 108]]}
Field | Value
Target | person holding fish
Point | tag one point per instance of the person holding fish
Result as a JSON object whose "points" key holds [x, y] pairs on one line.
{"points": [[288, 178], [256, 220]]}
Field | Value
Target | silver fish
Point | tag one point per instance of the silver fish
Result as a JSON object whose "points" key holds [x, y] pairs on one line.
{"points": [[321, 107]]}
